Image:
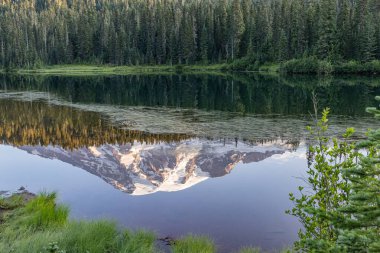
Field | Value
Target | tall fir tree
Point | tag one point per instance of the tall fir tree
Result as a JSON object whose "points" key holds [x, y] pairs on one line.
{"points": [[360, 230], [237, 28], [326, 44]]}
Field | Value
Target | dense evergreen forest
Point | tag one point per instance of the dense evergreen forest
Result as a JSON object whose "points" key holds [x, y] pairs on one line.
{"points": [[38, 32]]}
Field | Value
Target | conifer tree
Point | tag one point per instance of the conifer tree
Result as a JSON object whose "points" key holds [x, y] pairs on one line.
{"points": [[204, 45], [237, 28], [327, 29], [360, 229], [282, 47]]}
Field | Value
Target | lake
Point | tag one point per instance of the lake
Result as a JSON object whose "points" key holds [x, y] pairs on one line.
{"points": [[176, 154]]}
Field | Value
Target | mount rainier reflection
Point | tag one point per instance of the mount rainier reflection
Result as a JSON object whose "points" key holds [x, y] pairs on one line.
{"points": [[132, 161], [141, 169]]}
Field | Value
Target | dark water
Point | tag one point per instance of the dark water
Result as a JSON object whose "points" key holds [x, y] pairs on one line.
{"points": [[178, 154]]}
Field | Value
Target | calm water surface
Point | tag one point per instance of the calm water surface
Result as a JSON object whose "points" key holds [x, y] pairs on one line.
{"points": [[177, 154]]}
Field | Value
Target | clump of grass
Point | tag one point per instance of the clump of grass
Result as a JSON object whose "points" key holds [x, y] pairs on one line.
{"points": [[138, 242], [250, 250], [94, 237], [43, 211], [192, 243], [12, 202]]}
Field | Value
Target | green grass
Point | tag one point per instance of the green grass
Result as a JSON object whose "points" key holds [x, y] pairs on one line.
{"points": [[11, 203], [309, 65], [43, 226], [90, 70], [250, 250], [191, 243], [139, 242], [42, 212]]}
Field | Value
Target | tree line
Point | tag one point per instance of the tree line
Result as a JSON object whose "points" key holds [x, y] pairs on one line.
{"points": [[37, 32]]}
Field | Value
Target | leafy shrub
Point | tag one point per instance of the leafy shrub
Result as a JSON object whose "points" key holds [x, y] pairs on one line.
{"points": [[179, 68], [317, 206], [355, 67], [245, 63]]}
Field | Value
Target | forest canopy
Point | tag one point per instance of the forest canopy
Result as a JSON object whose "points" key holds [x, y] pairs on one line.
{"points": [[133, 32]]}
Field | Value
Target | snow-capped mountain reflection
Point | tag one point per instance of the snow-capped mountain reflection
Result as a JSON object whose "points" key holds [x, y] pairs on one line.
{"points": [[141, 169]]}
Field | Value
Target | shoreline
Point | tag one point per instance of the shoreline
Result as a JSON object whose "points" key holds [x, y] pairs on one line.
{"points": [[289, 68], [93, 70]]}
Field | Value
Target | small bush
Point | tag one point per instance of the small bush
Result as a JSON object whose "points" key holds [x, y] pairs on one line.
{"points": [[310, 65], [242, 64], [179, 68], [269, 68], [355, 67]]}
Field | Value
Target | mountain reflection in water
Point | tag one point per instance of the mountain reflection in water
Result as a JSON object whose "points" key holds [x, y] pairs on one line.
{"points": [[141, 169], [133, 161]]}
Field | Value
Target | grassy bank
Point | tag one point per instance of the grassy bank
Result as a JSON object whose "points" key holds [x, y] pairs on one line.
{"points": [[310, 65], [86, 70], [39, 225]]}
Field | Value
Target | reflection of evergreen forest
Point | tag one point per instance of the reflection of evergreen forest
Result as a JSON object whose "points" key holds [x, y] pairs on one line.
{"points": [[238, 93], [37, 123]]}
